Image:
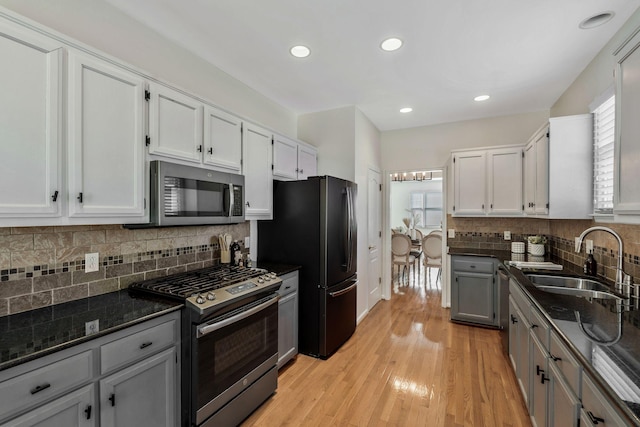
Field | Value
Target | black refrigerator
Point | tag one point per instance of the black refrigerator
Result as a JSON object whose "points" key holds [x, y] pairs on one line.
{"points": [[314, 226]]}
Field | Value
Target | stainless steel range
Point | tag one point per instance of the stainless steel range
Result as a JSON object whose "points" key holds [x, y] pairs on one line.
{"points": [[229, 340]]}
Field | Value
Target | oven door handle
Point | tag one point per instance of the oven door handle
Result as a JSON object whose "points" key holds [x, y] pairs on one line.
{"points": [[207, 328], [343, 291]]}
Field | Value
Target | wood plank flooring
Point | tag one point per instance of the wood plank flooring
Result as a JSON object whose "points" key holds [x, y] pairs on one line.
{"points": [[406, 365]]}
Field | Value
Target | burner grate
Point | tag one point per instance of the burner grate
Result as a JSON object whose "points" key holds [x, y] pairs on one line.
{"points": [[183, 285]]}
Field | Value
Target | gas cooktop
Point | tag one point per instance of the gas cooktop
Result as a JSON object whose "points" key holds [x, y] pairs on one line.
{"points": [[205, 289]]}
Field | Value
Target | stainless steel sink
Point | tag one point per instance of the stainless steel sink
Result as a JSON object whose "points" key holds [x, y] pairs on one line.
{"points": [[586, 293], [549, 281]]}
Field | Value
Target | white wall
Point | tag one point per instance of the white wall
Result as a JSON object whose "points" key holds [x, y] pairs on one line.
{"points": [[333, 133], [103, 27], [596, 77]]}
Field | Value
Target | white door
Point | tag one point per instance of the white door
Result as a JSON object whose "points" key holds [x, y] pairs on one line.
{"points": [[175, 124], [530, 177], [285, 157], [106, 139], [505, 181], [542, 174], [222, 140], [307, 162], [258, 175], [374, 235], [469, 183], [30, 84]]}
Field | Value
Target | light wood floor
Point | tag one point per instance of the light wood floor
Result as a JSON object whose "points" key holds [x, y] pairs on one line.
{"points": [[406, 365]]}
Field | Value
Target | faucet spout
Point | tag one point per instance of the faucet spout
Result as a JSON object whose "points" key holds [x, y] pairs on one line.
{"points": [[619, 273]]}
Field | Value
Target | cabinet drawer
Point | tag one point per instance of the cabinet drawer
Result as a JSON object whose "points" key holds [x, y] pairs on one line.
{"points": [[596, 409], [289, 284], [540, 327], [136, 346], [473, 264], [33, 387], [565, 363]]}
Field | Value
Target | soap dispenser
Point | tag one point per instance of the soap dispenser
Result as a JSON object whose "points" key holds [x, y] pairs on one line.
{"points": [[590, 265]]}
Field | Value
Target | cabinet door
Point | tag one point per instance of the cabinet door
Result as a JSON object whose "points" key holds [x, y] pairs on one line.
{"points": [[256, 168], [514, 326], [530, 177], [141, 395], [307, 162], [285, 157], [76, 409], [627, 150], [106, 139], [540, 379], [30, 84], [222, 140], [505, 181], [472, 298], [564, 407], [596, 408], [469, 183], [541, 202], [287, 328], [175, 124]]}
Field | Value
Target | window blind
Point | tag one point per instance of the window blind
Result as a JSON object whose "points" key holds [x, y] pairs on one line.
{"points": [[603, 146]]}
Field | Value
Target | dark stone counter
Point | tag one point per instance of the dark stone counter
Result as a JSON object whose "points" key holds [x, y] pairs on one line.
{"points": [[612, 359], [36, 333], [277, 267]]}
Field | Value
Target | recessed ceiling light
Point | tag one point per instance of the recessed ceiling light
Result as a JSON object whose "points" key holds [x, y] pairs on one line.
{"points": [[481, 98], [391, 44], [300, 51], [406, 110], [596, 20]]}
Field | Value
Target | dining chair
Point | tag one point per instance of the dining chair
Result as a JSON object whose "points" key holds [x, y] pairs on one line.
{"points": [[401, 254], [432, 250]]}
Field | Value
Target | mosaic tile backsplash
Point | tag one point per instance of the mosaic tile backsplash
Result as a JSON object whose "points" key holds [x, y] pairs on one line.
{"points": [[42, 266], [489, 233]]}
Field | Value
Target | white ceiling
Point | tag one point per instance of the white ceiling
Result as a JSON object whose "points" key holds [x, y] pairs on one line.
{"points": [[522, 53]]}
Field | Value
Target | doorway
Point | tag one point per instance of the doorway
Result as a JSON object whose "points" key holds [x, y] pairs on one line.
{"points": [[416, 207]]}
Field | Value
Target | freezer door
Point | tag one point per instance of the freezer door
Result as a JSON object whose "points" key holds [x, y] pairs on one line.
{"points": [[339, 317], [341, 229]]}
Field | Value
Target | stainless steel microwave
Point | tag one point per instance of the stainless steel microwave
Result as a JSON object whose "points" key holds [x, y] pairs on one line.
{"points": [[188, 195]]}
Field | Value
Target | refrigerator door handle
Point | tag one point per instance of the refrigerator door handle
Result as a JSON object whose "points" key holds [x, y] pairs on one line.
{"points": [[343, 291], [350, 229]]}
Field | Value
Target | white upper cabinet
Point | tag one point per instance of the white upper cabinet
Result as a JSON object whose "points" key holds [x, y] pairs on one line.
{"points": [[293, 160], [175, 124], [105, 140], [504, 171], [222, 140], [488, 181], [307, 162], [626, 198], [559, 169], [258, 175], [30, 124], [285, 157], [469, 184]]}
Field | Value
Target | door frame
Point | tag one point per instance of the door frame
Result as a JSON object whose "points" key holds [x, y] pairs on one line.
{"points": [[372, 281], [386, 233]]}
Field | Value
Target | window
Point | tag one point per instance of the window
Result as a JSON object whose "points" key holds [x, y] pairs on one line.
{"points": [[426, 208], [603, 145]]}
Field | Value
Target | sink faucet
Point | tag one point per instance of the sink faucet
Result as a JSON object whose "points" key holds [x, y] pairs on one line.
{"points": [[622, 279]]}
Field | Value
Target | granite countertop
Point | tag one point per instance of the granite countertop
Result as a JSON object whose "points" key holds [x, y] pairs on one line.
{"points": [[277, 267], [614, 361], [32, 334]]}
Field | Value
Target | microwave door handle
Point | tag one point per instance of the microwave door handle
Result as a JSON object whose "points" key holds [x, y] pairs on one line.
{"points": [[231, 200]]}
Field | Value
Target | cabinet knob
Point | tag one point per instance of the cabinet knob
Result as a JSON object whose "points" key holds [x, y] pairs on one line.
{"points": [[112, 399], [55, 196], [554, 358], [210, 150], [538, 370], [543, 378], [145, 345], [199, 148], [514, 319], [39, 388], [248, 204], [80, 198], [88, 412], [301, 170]]}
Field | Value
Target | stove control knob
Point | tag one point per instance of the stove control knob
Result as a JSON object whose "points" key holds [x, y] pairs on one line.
{"points": [[211, 296], [200, 299], [266, 277], [273, 275], [260, 280]]}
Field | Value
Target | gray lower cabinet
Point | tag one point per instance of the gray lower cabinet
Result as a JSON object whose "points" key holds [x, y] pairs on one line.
{"points": [[538, 404], [563, 403], [75, 409], [127, 378], [142, 394], [519, 347], [596, 409], [288, 318], [473, 290]]}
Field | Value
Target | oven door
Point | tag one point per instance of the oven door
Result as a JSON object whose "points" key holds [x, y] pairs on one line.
{"points": [[232, 352]]}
